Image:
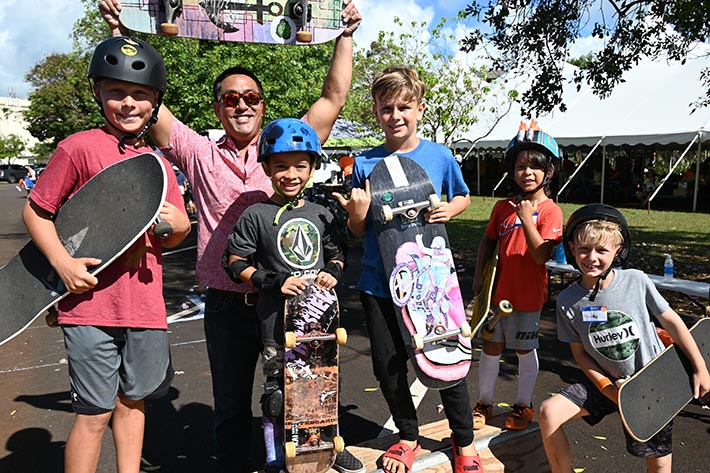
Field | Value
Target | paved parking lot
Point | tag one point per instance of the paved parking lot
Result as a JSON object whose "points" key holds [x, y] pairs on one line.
{"points": [[35, 414]]}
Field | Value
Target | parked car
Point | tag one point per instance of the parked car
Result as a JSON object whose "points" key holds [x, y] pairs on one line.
{"points": [[12, 172]]}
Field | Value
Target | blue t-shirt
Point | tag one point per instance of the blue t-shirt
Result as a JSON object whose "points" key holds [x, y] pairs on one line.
{"points": [[445, 174]]}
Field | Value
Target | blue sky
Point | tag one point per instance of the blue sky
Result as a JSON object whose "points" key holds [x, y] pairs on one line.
{"points": [[26, 36]]}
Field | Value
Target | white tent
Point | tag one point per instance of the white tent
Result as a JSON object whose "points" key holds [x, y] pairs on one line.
{"points": [[652, 107]]}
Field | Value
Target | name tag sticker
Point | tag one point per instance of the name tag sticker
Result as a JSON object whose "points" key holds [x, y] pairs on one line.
{"points": [[593, 314]]}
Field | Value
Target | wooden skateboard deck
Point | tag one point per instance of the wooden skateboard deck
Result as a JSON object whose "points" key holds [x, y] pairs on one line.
{"points": [[653, 396], [311, 437], [247, 21], [423, 281], [482, 315], [101, 220]]}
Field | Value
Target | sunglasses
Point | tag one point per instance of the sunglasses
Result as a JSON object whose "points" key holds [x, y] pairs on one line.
{"points": [[231, 99]]}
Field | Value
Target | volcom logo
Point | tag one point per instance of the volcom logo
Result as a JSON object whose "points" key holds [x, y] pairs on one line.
{"points": [[299, 243], [616, 339]]}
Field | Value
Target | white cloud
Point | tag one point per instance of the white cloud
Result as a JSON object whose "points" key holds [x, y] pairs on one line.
{"points": [[29, 30]]}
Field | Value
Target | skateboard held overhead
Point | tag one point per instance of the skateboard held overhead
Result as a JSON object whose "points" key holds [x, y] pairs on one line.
{"points": [[423, 282], [652, 397], [312, 336], [101, 220], [247, 21], [481, 313]]}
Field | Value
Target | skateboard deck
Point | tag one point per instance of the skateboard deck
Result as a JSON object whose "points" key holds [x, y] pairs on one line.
{"points": [[247, 21], [481, 313], [423, 281], [312, 335], [653, 396], [101, 220]]}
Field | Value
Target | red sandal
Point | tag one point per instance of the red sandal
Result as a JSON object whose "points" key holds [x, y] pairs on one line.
{"points": [[465, 464], [402, 453]]}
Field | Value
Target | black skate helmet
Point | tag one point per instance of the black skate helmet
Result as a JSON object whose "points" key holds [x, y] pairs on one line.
{"points": [[131, 60], [597, 212]]}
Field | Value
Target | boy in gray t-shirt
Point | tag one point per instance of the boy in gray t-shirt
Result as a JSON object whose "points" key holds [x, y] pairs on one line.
{"points": [[606, 317]]}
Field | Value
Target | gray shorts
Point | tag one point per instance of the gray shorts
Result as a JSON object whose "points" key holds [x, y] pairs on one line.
{"points": [[107, 361], [520, 331], [587, 396]]}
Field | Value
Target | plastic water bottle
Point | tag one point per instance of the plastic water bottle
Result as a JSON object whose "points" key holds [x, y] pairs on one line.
{"points": [[560, 254], [668, 267]]}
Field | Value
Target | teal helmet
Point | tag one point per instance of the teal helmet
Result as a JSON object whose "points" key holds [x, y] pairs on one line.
{"points": [[287, 135], [531, 138]]}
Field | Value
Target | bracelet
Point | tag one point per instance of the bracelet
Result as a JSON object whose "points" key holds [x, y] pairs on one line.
{"points": [[603, 383]]}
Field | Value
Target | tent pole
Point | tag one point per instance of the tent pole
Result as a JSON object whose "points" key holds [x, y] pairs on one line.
{"points": [[697, 174], [601, 193], [670, 171], [579, 168]]}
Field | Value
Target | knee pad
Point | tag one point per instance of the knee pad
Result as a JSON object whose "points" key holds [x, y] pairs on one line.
{"points": [[272, 401]]}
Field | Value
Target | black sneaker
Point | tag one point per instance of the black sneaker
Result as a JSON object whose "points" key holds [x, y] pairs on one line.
{"points": [[346, 462]]}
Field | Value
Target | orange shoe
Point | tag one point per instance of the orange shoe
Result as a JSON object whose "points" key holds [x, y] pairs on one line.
{"points": [[521, 416], [481, 413]]}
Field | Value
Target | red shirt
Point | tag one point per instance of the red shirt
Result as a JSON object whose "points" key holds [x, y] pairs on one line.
{"points": [[130, 290], [520, 279]]}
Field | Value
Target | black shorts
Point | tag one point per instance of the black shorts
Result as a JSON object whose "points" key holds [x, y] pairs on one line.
{"points": [[586, 395]]}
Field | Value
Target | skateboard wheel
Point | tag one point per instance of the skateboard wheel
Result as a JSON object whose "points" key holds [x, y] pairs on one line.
{"points": [[505, 307], [304, 36], [290, 339], [486, 333], [290, 449], [341, 336], [338, 444], [387, 213], [434, 201], [417, 341], [169, 29], [465, 329]]}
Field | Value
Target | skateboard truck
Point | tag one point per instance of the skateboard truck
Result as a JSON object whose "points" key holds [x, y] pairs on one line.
{"points": [[301, 11], [440, 333], [173, 9], [505, 308], [340, 336], [409, 210]]}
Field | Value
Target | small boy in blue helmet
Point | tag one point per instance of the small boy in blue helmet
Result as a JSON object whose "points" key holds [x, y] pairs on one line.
{"points": [[260, 248]]}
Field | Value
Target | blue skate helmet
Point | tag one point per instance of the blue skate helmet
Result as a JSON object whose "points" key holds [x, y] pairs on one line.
{"points": [[288, 134]]}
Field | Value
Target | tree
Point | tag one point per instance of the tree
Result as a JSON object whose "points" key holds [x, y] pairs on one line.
{"points": [[457, 95], [62, 103], [11, 146], [535, 37]]}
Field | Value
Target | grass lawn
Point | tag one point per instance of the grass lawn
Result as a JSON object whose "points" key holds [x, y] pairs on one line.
{"points": [[685, 235]]}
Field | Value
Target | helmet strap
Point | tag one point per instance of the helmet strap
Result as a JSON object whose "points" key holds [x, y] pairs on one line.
{"points": [[290, 204], [598, 285]]}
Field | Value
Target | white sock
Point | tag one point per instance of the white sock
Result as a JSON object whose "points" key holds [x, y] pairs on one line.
{"points": [[528, 368], [488, 369]]}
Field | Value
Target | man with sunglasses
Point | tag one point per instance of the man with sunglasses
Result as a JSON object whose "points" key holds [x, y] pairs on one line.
{"points": [[226, 178]]}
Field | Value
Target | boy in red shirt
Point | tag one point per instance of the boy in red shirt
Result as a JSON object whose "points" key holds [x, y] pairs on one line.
{"points": [[526, 229], [115, 326]]}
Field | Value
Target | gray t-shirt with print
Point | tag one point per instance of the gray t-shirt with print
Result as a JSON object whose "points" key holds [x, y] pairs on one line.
{"points": [[627, 340]]}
